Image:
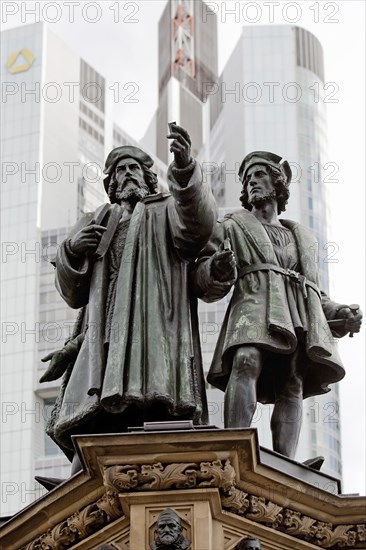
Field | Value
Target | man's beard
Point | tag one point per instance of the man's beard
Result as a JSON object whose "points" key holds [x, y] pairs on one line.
{"points": [[258, 201], [132, 192], [168, 538]]}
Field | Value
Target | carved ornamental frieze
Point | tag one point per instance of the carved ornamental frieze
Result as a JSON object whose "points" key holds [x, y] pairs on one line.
{"points": [[221, 475], [217, 474], [79, 525]]}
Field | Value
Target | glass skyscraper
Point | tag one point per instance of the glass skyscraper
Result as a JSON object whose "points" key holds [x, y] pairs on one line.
{"points": [[187, 59]]}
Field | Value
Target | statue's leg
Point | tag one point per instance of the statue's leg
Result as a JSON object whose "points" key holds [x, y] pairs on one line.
{"points": [[287, 413], [241, 391]]}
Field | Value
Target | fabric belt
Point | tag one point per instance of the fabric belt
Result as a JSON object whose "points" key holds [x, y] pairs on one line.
{"points": [[301, 279]]}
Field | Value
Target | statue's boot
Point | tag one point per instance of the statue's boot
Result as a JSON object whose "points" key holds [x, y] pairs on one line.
{"points": [[314, 463], [49, 483]]}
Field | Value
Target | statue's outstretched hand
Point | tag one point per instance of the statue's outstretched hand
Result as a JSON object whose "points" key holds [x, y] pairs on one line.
{"points": [[180, 146], [223, 265], [62, 358], [86, 240], [59, 362], [353, 319]]}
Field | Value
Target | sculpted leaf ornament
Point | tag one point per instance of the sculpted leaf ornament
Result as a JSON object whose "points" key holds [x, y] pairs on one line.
{"points": [[361, 533], [110, 505], [217, 476], [298, 525], [265, 511], [158, 477], [84, 523], [60, 536], [235, 501], [121, 478], [328, 536]]}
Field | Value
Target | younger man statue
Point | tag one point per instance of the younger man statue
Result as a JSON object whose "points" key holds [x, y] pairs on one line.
{"points": [[275, 345]]}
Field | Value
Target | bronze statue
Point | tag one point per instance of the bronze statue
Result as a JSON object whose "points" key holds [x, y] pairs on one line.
{"points": [[168, 532], [277, 341], [134, 354]]}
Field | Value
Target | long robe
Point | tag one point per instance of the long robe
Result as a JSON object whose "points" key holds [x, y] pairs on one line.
{"points": [[153, 354], [259, 312]]}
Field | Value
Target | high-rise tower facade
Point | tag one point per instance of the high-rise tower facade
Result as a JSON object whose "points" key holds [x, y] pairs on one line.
{"points": [[187, 59], [46, 140]]}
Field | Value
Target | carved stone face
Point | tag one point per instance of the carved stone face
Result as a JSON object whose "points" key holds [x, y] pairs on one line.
{"points": [[130, 179], [168, 530]]}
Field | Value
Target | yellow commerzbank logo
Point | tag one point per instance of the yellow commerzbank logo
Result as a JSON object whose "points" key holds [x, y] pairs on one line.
{"points": [[19, 61]]}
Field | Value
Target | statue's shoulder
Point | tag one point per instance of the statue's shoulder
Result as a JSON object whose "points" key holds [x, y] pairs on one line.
{"points": [[297, 227], [241, 213], [290, 224]]}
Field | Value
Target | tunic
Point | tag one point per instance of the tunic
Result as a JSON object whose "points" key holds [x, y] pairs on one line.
{"points": [[285, 249]]}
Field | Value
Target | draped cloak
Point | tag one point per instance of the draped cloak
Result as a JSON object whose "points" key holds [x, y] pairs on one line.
{"points": [[153, 354], [259, 314]]}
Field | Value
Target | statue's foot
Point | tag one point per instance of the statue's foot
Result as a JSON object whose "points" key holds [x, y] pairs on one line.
{"points": [[314, 463], [49, 482]]}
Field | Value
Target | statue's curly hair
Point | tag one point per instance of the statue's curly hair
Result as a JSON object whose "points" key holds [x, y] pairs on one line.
{"points": [[151, 180], [279, 183]]}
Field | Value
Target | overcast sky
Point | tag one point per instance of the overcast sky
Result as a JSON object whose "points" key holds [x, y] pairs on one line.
{"points": [[122, 45]]}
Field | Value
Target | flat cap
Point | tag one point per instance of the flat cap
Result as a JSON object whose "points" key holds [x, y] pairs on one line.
{"points": [[119, 153], [268, 159]]}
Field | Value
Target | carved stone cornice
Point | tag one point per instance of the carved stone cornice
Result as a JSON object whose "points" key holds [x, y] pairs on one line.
{"points": [[79, 525], [221, 475]]}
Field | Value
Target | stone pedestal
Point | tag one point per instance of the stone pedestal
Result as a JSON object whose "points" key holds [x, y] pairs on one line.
{"points": [[220, 483]]}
